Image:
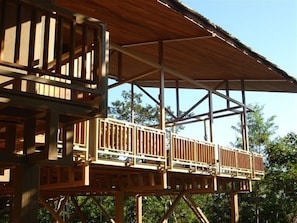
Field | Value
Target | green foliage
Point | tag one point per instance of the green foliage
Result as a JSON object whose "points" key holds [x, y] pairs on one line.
{"points": [[44, 216], [143, 114], [260, 130], [280, 185], [274, 198]]}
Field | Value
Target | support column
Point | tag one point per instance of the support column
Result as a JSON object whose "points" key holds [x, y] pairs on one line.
{"points": [[51, 134], [26, 193], [104, 71], [132, 103], [139, 209], [210, 116], [245, 138], [162, 85], [234, 207], [119, 207]]}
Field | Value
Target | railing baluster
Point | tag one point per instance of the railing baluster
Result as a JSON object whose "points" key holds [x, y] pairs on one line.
{"points": [[2, 25]]}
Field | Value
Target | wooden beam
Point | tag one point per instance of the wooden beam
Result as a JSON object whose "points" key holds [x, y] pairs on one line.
{"points": [[197, 211], [20, 99], [32, 78], [136, 77], [78, 210], [103, 210], [171, 208], [54, 214], [155, 100]]}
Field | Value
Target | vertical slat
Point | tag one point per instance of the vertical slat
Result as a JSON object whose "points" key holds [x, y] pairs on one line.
{"points": [[71, 53], [84, 51], [46, 42], [59, 43], [30, 84], [18, 34], [2, 26]]}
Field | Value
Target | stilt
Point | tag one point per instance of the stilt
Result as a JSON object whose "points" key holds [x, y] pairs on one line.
{"points": [[119, 207], [139, 209], [234, 207], [25, 201]]}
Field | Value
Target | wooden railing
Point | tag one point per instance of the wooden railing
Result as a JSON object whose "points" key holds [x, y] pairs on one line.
{"points": [[46, 52], [235, 162], [258, 165], [129, 143], [124, 143], [189, 153]]}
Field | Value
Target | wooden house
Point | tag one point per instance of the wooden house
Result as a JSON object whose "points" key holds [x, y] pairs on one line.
{"points": [[56, 60]]}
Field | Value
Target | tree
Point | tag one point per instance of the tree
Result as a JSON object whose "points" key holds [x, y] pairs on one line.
{"points": [[260, 130], [274, 198], [143, 115], [279, 187]]}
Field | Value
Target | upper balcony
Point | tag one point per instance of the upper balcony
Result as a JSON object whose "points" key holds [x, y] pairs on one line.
{"points": [[48, 54]]}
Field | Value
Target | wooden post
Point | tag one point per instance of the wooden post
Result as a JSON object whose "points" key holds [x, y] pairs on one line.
{"points": [[104, 71], [68, 138], [26, 193], [162, 85], [245, 137], [51, 141], [234, 207], [29, 135], [93, 133], [132, 103], [119, 207], [139, 209], [210, 115]]}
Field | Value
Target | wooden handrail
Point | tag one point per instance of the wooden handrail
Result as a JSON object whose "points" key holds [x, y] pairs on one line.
{"points": [[123, 141]]}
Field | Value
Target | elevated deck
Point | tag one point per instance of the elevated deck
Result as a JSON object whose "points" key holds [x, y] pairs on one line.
{"points": [[110, 155]]}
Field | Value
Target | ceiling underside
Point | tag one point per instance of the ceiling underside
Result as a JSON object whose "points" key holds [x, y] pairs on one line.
{"points": [[196, 53]]}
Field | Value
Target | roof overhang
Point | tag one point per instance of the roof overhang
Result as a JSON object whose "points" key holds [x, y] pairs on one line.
{"points": [[195, 53]]}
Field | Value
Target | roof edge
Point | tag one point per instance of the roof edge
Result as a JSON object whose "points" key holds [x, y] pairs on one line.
{"points": [[227, 37]]}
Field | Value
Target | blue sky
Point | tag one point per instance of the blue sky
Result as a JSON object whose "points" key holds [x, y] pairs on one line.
{"points": [[269, 27]]}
